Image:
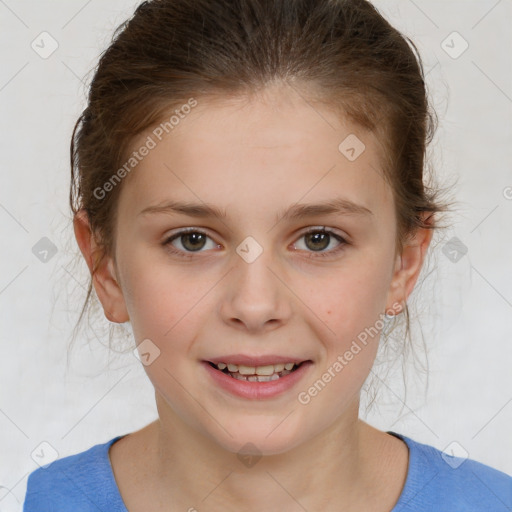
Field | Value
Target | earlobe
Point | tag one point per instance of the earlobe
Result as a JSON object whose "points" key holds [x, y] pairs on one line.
{"points": [[408, 268], [102, 269]]}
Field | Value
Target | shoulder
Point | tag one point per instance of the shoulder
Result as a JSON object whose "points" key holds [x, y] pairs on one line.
{"points": [[80, 483], [438, 481]]}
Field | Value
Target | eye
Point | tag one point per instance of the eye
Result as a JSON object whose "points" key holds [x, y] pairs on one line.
{"points": [[186, 242], [319, 238], [191, 240]]}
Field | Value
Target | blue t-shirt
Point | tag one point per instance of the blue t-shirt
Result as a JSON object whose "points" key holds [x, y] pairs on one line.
{"points": [[435, 482]]}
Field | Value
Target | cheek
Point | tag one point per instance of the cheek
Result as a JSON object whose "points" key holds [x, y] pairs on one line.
{"points": [[350, 305], [151, 303], [164, 302], [350, 299]]}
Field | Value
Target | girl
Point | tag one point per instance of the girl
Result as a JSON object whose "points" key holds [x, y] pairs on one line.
{"points": [[247, 190]]}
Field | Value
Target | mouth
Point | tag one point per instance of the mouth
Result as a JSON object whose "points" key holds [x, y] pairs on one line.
{"points": [[257, 377], [264, 373]]}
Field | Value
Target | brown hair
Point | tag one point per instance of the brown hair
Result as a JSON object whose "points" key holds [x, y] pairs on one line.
{"points": [[339, 52]]}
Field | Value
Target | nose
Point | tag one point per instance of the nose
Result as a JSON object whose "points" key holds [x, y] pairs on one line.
{"points": [[255, 298]]}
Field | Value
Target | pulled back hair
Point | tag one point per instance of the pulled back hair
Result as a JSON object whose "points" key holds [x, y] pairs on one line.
{"points": [[342, 53]]}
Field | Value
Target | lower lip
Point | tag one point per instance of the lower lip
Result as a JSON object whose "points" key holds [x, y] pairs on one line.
{"points": [[257, 390]]}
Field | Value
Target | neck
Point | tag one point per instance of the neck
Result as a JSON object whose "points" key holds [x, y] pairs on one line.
{"points": [[197, 472]]}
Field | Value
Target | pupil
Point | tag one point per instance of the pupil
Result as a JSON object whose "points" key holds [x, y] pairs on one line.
{"points": [[320, 238], [197, 239]]}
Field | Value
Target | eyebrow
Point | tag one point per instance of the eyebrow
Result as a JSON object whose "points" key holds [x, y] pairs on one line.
{"points": [[335, 206], [298, 211], [190, 209]]}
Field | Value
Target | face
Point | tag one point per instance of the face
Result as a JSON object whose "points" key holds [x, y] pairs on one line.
{"points": [[253, 273]]}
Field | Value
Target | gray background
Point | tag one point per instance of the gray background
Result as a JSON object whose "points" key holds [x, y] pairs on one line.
{"points": [[466, 304]]}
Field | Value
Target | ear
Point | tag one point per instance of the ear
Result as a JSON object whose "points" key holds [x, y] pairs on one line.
{"points": [[408, 266], [102, 269]]}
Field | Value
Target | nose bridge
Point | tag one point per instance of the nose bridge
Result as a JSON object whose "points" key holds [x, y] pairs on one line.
{"points": [[255, 296]]}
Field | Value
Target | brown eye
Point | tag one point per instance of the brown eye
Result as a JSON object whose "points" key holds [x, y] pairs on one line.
{"points": [[193, 241], [186, 242], [317, 240]]}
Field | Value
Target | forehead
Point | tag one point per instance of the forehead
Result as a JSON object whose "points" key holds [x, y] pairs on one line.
{"points": [[266, 151]]}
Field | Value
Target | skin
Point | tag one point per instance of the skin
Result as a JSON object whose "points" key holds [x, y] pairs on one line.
{"points": [[255, 158]]}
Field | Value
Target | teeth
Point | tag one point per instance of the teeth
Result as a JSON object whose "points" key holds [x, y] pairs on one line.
{"points": [[258, 378], [245, 370], [263, 371]]}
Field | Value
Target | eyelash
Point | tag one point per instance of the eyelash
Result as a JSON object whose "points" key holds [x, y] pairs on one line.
{"points": [[190, 254]]}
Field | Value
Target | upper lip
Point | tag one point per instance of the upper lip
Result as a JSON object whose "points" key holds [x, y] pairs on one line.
{"points": [[246, 360]]}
